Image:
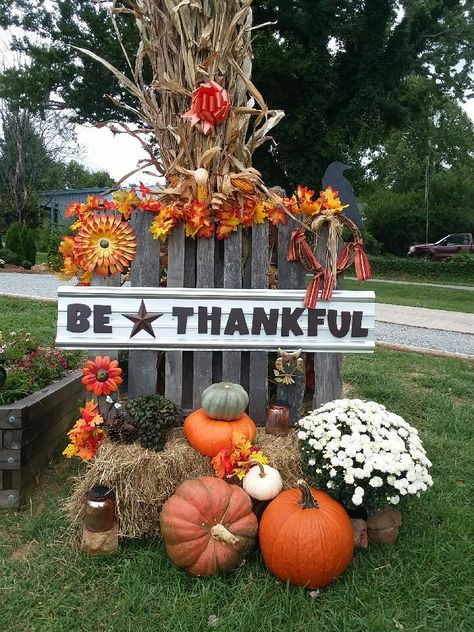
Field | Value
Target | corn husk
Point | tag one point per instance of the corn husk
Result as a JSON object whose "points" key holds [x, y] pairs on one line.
{"points": [[186, 43]]}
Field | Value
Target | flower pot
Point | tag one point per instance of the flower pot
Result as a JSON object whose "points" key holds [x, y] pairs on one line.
{"points": [[383, 526]]}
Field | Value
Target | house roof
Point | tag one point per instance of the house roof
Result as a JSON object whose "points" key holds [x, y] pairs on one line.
{"points": [[58, 192]]}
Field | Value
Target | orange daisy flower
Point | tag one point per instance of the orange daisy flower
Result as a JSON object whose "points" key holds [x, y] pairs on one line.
{"points": [[105, 245], [102, 375]]}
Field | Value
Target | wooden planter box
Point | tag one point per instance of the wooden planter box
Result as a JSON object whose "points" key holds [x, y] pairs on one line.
{"points": [[29, 431]]}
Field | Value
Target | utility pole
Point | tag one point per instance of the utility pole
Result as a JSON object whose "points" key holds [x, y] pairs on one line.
{"points": [[427, 192]]}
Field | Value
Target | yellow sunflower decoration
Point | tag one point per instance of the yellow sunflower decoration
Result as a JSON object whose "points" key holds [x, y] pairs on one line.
{"points": [[105, 245]]}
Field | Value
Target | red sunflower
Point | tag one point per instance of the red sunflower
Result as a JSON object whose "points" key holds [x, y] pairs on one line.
{"points": [[102, 375]]}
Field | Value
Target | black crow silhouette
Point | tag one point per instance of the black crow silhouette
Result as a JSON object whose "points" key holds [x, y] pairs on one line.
{"points": [[334, 177]]}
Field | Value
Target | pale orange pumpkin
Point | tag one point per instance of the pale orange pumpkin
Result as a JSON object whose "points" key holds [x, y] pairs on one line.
{"points": [[208, 436], [208, 526], [306, 537]]}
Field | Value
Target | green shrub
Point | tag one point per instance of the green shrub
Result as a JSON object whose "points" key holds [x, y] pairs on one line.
{"points": [[29, 245], [371, 245], [153, 416], [26, 264], [13, 239], [55, 258], [459, 268], [9, 257], [42, 236]]}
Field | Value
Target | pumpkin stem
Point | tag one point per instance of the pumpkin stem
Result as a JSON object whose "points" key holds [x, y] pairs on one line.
{"points": [[307, 499], [219, 532], [260, 465]]}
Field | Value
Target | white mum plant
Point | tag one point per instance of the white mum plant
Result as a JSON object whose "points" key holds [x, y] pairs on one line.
{"points": [[364, 455]]}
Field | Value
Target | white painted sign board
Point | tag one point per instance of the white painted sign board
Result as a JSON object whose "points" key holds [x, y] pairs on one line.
{"points": [[213, 320]]}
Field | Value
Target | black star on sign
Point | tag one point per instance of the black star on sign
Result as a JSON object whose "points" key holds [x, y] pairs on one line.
{"points": [[142, 320]]}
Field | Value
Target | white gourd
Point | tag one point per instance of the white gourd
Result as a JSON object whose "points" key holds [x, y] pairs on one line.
{"points": [[262, 482]]}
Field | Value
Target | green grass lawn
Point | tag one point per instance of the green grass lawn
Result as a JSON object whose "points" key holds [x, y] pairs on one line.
{"points": [[41, 257], [417, 295], [36, 317], [422, 583]]}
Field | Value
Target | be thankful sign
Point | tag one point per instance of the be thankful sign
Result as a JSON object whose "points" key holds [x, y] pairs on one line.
{"points": [[212, 319]]}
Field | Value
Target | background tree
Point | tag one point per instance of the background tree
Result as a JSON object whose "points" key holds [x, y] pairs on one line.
{"points": [[374, 83], [74, 175], [25, 164], [337, 68], [34, 157], [433, 156]]}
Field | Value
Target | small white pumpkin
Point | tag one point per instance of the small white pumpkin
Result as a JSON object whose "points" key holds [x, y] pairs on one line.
{"points": [[262, 482], [224, 401]]}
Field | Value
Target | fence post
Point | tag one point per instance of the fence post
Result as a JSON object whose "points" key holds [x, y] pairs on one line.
{"points": [[231, 360], [258, 367], [204, 278], [175, 278], [327, 366], [142, 365]]}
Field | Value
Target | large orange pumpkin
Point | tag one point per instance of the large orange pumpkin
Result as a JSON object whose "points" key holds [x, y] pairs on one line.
{"points": [[208, 526], [306, 537], [208, 436]]}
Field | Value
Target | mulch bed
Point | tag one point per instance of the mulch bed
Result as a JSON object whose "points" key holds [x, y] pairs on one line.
{"points": [[41, 268]]}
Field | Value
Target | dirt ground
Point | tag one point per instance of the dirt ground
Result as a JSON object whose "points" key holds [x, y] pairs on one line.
{"points": [[41, 268]]}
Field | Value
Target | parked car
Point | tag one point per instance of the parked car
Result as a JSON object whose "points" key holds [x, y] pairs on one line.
{"points": [[444, 248]]}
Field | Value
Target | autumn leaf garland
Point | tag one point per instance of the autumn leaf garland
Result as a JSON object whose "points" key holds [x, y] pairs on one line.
{"points": [[105, 243]]}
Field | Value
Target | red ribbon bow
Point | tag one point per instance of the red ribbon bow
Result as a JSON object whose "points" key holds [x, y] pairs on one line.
{"points": [[210, 104]]}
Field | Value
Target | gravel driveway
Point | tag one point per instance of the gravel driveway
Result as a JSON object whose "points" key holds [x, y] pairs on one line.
{"points": [[34, 285], [45, 286]]}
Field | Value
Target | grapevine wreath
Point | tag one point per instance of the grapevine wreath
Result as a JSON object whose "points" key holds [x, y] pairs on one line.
{"points": [[324, 276]]}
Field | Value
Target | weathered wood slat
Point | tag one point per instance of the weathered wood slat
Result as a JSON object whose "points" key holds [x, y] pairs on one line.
{"points": [[12, 416], [102, 281], [11, 439], [142, 365], [204, 278], [10, 459], [10, 499], [291, 275], [258, 362], [327, 366], [232, 279], [175, 277], [27, 410], [188, 356]]}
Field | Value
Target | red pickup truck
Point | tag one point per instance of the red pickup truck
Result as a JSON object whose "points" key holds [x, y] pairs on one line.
{"points": [[446, 247]]}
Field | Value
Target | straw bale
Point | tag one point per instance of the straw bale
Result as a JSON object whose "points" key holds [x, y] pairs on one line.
{"points": [[143, 480]]}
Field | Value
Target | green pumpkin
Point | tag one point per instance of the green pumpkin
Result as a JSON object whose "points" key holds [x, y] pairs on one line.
{"points": [[224, 401]]}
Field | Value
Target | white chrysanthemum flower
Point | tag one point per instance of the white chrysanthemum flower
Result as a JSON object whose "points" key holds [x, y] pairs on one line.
{"points": [[381, 444], [376, 481]]}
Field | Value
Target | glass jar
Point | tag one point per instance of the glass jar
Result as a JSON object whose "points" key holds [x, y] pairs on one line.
{"points": [[278, 419], [100, 509]]}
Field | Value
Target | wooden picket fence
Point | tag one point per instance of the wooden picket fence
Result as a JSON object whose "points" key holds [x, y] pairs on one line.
{"points": [[242, 261]]}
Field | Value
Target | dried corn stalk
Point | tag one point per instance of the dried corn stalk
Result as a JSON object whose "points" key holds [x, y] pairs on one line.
{"points": [[186, 43]]}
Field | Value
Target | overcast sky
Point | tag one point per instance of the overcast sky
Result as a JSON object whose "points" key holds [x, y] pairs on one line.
{"points": [[120, 154]]}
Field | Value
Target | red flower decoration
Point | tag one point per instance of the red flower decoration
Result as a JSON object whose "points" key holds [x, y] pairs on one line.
{"points": [[211, 105], [102, 375]]}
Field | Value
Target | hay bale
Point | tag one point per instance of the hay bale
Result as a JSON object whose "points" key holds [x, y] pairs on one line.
{"points": [[143, 480], [283, 454]]}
